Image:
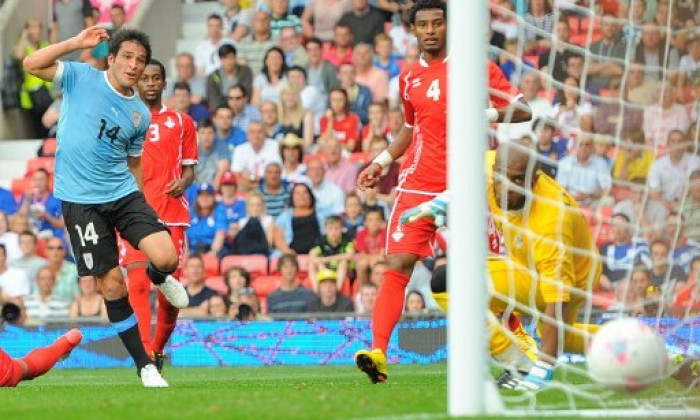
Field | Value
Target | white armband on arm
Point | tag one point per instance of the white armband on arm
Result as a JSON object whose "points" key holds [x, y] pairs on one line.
{"points": [[384, 159], [491, 115]]}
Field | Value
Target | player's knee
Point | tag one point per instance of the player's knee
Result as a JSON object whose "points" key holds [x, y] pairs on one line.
{"points": [[165, 260]]}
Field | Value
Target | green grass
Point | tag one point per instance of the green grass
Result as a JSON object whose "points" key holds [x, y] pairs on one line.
{"points": [[413, 392]]}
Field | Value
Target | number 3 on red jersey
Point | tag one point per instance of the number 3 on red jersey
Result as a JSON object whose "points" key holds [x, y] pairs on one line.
{"points": [[153, 133]]}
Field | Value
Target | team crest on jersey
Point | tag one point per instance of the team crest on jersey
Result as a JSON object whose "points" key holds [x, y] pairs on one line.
{"points": [[87, 258], [136, 118], [169, 123], [398, 233]]}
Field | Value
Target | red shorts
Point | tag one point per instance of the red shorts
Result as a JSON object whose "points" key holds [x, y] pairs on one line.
{"points": [[129, 255], [415, 238], [10, 372]]}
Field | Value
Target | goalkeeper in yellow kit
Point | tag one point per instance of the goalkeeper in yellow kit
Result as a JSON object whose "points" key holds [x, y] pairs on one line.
{"points": [[546, 235]]}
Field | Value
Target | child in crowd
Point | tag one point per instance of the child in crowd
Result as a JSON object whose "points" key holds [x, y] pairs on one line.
{"points": [[370, 243], [377, 126], [353, 217], [333, 251], [385, 59]]}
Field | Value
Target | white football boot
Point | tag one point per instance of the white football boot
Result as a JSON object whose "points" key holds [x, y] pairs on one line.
{"points": [[174, 292], [151, 378]]}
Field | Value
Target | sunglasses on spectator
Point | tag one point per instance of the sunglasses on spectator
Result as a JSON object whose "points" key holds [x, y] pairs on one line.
{"points": [[236, 98], [53, 248]]}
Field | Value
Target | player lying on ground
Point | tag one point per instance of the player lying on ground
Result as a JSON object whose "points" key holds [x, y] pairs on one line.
{"points": [[98, 175], [169, 156], [423, 140], [38, 361]]}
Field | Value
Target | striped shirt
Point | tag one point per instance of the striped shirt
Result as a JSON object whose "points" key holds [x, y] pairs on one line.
{"points": [[51, 307], [276, 203]]}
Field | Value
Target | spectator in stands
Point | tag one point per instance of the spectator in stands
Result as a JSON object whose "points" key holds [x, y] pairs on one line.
{"points": [[633, 159], [328, 298], [298, 226], [364, 22], [236, 278], [13, 281], [531, 89], [291, 297], [293, 117], [633, 28], [684, 249], [691, 208], [539, 22], [45, 304], [585, 175], [206, 55], [312, 99], [602, 145], [66, 286], [198, 292], [255, 233], [631, 295], [385, 58], [340, 122], [8, 205], [353, 215], [69, 18], [50, 118], [553, 61], [333, 251], [282, 18], [654, 54], [235, 20], [396, 123], [9, 238], [622, 253], [609, 55], [185, 72], [388, 180], [511, 63], [664, 116], [30, 262], [339, 169], [243, 112], [340, 52], [640, 91], [401, 35], [270, 121], [618, 116], [329, 197], [294, 51], [226, 132], [229, 74], [213, 156], [359, 95], [230, 207], [250, 159], [664, 274], [376, 275], [374, 78], [267, 85], [688, 293], [274, 189], [376, 127], [35, 93], [182, 101], [42, 208], [89, 302], [370, 243], [321, 16], [243, 312], [649, 215], [321, 73], [293, 167], [503, 19], [248, 299], [253, 47], [689, 66], [669, 174], [551, 150], [217, 306], [571, 114], [366, 299], [415, 303], [207, 226]]}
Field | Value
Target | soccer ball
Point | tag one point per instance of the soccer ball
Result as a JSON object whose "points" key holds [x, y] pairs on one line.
{"points": [[627, 353]]}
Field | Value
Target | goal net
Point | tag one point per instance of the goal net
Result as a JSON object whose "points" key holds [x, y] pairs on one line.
{"points": [[614, 90]]}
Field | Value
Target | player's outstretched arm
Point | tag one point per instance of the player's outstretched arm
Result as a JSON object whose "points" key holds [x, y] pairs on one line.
{"points": [[43, 62], [369, 177], [517, 112]]}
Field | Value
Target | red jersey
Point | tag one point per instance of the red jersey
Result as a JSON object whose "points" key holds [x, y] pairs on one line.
{"points": [[171, 142], [368, 243], [423, 89], [344, 129]]}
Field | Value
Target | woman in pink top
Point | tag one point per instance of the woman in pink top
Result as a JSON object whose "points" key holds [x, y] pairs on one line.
{"points": [[324, 14]]}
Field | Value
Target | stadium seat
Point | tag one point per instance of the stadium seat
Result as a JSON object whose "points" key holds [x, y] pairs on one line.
{"points": [[217, 283], [46, 163], [20, 186], [256, 265], [211, 264], [49, 147], [264, 285]]}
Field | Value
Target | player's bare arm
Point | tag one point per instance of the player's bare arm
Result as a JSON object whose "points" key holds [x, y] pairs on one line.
{"points": [[369, 177], [134, 164], [177, 187], [517, 112], [43, 62]]}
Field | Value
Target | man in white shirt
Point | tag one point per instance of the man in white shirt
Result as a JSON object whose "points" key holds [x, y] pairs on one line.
{"points": [[206, 55], [666, 115], [250, 159], [669, 175], [30, 262], [13, 281], [585, 175], [330, 199], [530, 87], [44, 304]]}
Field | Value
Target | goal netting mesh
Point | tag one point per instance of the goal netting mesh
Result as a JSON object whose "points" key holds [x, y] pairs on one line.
{"points": [[614, 88]]}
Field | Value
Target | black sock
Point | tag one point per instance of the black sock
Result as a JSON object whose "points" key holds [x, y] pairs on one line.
{"points": [[123, 319], [157, 277]]}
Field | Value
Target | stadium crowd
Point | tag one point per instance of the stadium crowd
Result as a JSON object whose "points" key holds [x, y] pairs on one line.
{"points": [[292, 98]]}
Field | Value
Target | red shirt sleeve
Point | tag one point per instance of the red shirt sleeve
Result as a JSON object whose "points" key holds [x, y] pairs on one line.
{"points": [[360, 242], [353, 128], [408, 112], [501, 91], [189, 141]]}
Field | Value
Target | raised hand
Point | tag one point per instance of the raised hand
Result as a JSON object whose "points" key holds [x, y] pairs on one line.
{"points": [[369, 177], [90, 37]]}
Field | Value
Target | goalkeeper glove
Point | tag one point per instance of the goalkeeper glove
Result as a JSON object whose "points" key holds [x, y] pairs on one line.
{"points": [[435, 210], [539, 377]]}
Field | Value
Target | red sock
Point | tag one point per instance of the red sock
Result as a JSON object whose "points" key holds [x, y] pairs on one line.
{"points": [[41, 360], [166, 318], [388, 308], [139, 291]]}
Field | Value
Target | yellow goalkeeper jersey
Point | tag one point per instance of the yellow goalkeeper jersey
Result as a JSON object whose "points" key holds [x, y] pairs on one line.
{"points": [[551, 236]]}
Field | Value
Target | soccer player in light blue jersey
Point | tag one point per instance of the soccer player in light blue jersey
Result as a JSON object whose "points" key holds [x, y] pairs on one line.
{"points": [[98, 175]]}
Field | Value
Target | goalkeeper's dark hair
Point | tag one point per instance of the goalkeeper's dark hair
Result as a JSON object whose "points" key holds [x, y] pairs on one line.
{"points": [[426, 5], [161, 67], [133, 35]]}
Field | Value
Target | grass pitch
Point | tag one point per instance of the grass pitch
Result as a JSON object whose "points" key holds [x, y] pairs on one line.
{"points": [[413, 392]]}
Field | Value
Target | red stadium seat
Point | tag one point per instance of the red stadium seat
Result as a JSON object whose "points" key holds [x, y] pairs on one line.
{"points": [[49, 147], [255, 264], [264, 285], [217, 283], [46, 163], [20, 186], [211, 264]]}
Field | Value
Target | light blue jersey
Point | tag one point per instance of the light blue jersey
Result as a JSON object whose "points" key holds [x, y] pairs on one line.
{"points": [[97, 130]]}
